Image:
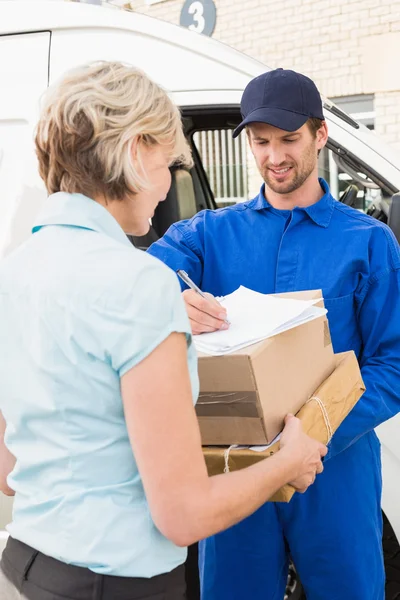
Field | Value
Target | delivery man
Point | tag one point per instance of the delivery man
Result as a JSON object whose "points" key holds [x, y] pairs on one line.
{"points": [[295, 236]]}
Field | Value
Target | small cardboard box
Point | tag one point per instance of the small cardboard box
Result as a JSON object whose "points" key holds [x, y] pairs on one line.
{"points": [[321, 416], [245, 396]]}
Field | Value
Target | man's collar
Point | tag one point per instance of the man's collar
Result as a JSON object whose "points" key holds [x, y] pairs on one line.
{"points": [[77, 210], [320, 212]]}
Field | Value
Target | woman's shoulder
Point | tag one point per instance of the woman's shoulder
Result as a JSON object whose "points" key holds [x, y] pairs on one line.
{"points": [[124, 274], [128, 264]]}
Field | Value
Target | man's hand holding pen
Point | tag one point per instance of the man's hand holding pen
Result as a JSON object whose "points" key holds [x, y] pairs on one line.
{"points": [[205, 312]]}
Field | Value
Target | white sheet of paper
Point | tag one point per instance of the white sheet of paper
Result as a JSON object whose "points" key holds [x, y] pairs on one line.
{"points": [[255, 317], [258, 448]]}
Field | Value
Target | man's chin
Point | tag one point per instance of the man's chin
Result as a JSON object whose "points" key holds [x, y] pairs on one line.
{"points": [[286, 187]]}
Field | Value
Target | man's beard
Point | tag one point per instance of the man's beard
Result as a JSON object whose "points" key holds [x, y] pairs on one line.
{"points": [[296, 181]]}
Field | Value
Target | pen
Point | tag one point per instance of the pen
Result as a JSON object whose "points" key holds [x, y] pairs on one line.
{"points": [[186, 279]]}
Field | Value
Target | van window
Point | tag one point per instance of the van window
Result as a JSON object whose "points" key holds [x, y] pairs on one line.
{"points": [[229, 165], [364, 192], [361, 108]]}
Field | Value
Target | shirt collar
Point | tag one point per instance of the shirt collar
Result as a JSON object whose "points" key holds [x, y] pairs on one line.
{"points": [[320, 212], [77, 210]]}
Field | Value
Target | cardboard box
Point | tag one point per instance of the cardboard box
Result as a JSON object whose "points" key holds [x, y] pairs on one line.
{"points": [[338, 394], [245, 396]]}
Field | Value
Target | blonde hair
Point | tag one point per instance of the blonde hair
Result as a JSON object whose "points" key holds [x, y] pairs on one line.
{"points": [[89, 122]]}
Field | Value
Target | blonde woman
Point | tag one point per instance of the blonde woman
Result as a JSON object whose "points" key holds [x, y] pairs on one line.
{"points": [[98, 371]]}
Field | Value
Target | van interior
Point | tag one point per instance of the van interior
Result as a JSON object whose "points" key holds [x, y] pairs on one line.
{"points": [[221, 171]]}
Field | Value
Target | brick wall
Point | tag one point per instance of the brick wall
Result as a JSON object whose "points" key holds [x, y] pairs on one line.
{"points": [[387, 107], [330, 40]]}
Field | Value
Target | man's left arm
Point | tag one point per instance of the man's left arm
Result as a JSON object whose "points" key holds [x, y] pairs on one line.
{"points": [[379, 323]]}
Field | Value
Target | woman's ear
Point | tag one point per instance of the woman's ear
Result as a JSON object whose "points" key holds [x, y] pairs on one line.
{"points": [[135, 150]]}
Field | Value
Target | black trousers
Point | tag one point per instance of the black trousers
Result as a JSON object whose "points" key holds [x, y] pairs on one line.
{"points": [[30, 575], [192, 573]]}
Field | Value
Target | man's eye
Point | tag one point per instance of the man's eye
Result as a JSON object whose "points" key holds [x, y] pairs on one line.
{"points": [[290, 141]]}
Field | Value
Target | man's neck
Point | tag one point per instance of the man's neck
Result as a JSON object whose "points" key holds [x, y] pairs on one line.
{"points": [[306, 195]]}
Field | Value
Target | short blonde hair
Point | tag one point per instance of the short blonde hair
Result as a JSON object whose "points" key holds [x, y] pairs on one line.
{"points": [[88, 124]]}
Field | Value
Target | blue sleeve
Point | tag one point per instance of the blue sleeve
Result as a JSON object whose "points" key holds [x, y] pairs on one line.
{"points": [[181, 247], [379, 323]]}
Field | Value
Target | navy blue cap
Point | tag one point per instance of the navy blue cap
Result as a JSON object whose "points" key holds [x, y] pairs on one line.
{"points": [[282, 98]]}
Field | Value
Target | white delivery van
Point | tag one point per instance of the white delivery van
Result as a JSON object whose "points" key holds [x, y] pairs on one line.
{"points": [[40, 40]]}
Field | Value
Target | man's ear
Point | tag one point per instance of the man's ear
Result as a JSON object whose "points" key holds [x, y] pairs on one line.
{"points": [[249, 139], [322, 135]]}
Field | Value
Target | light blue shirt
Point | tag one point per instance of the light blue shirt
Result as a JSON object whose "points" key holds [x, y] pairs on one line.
{"points": [[79, 307]]}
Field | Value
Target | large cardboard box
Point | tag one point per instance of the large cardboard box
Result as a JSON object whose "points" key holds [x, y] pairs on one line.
{"points": [[321, 416], [245, 396]]}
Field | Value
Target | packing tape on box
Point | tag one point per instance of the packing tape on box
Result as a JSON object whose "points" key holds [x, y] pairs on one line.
{"points": [[324, 415], [227, 404]]}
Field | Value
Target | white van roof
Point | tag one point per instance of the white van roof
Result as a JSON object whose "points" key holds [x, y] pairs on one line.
{"points": [[41, 15], [207, 87]]}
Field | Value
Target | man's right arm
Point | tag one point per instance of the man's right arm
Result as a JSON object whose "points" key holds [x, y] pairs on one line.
{"points": [[182, 247]]}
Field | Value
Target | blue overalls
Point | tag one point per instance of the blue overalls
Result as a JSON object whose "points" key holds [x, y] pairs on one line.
{"points": [[333, 531]]}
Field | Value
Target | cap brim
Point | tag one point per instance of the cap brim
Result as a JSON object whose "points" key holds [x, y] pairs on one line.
{"points": [[277, 117]]}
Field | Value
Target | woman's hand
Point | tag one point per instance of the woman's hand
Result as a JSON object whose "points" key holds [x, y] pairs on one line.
{"points": [[305, 452]]}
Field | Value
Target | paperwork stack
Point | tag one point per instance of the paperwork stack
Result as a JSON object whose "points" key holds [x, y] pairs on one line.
{"points": [[247, 390]]}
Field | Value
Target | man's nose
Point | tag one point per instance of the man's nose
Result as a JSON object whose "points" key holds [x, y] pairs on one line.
{"points": [[276, 156]]}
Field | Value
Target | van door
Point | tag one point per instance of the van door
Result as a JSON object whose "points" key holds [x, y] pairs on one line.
{"points": [[24, 63]]}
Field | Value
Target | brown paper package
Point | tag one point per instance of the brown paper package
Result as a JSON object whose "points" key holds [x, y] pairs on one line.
{"points": [[338, 394]]}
